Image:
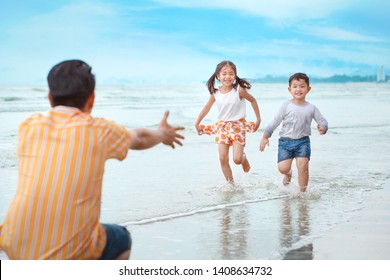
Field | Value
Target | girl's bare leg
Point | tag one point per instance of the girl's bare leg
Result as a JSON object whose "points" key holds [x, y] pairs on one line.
{"points": [[245, 163], [239, 157], [285, 168], [223, 150], [303, 172]]}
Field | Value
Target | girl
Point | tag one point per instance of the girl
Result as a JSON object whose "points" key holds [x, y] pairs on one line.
{"points": [[231, 127]]}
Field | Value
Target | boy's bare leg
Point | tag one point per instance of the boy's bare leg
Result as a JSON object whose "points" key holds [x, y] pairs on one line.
{"points": [[239, 157], [223, 150], [287, 178], [285, 168], [303, 172]]}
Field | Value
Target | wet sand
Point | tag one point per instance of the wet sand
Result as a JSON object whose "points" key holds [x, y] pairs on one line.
{"points": [[365, 237], [238, 233]]}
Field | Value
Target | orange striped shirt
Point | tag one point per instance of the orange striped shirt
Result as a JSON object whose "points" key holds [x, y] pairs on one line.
{"points": [[55, 211]]}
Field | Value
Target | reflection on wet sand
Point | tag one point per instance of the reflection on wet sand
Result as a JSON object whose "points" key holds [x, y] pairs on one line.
{"points": [[292, 230], [302, 253], [234, 228]]}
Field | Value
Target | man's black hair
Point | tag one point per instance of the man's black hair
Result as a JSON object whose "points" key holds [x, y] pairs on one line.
{"points": [[71, 82]]}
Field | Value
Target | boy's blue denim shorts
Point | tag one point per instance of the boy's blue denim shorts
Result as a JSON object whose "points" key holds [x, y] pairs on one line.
{"points": [[118, 241], [292, 148]]}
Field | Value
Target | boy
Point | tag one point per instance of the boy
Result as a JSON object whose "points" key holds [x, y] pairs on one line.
{"points": [[55, 211], [294, 142]]}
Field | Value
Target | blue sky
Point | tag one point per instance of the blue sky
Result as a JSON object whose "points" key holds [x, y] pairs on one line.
{"points": [[179, 41]]}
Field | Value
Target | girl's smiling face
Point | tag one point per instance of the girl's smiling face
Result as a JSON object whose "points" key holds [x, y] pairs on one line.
{"points": [[299, 89], [227, 76]]}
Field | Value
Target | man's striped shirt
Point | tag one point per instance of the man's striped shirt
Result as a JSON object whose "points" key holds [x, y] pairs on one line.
{"points": [[56, 209]]}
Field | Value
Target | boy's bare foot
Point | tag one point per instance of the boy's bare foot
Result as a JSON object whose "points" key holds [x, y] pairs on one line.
{"points": [[245, 164], [287, 178]]}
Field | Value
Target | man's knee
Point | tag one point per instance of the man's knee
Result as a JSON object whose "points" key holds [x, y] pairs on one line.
{"points": [[124, 256], [118, 242]]}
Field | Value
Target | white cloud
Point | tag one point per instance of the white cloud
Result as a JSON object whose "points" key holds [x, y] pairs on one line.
{"points": [[338, 34], [280, 56], [107, 37], [35, 44], [66, 25], [98, 35], [151, 61], [277, 10]]}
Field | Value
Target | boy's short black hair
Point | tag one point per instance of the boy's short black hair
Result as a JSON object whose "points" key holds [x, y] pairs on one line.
{"points": [[71, 83], [299, 76]]}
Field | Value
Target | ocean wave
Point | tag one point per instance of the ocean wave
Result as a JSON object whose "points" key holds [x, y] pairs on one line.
{"points": [[368, 126], [8, 158], [12, 98], [201, 210]]}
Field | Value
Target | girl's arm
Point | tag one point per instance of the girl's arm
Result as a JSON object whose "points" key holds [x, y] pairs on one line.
{"points": [[245, 94], [205, 111]]}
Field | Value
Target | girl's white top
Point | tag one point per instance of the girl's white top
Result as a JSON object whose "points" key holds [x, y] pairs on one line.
{"points": [[230, 106]]}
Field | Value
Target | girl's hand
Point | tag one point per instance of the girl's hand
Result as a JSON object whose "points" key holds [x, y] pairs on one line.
{"points": [[197, 127], [257, 125]]}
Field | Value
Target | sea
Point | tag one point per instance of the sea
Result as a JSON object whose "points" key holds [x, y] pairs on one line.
{"points": [[176, 203]]}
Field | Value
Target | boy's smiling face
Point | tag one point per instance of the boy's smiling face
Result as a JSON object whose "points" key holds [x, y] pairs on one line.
{"points": [[299, 89]]}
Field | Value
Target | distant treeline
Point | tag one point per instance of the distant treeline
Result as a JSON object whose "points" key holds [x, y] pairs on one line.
{"points": [[332, 79]]}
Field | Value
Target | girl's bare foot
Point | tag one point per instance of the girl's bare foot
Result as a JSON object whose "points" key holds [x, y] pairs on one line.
{"points": [[287, 178], [245, 163]]}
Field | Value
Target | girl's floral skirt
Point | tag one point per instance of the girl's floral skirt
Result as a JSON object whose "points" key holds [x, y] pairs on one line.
{"points": [[229, 132]]}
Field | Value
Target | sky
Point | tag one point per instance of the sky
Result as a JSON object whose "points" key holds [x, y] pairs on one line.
{"points": [[182, 41]]}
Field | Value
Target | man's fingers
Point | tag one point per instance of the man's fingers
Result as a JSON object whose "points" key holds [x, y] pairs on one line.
{"points": [[179, 127]]}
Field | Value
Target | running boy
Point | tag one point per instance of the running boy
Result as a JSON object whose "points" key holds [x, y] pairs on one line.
{"points": [[56, 209], [294, 142]]}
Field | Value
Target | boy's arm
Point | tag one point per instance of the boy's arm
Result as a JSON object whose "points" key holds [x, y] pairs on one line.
{"points": [[143, 138], [264, 142], [321, 130], [205, 111]]}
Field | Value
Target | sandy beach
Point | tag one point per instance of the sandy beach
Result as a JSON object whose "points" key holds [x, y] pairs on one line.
{"points": [[366, 236]]}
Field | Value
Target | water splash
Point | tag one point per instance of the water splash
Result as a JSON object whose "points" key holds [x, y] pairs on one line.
{"points": [[312, 192], [200, 211]]}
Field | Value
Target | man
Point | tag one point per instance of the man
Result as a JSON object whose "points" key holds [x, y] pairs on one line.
{"points": [[56, 209]]}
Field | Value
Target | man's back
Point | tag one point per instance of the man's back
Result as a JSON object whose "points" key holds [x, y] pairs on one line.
{"points": [[55, 211]]}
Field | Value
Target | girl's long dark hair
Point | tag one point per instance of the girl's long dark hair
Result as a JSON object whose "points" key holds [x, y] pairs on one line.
{"points": [[211, 82]]}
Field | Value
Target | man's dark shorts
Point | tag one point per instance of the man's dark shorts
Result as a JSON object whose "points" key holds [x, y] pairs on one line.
{"points": [[293, 148], [118, 241]]}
